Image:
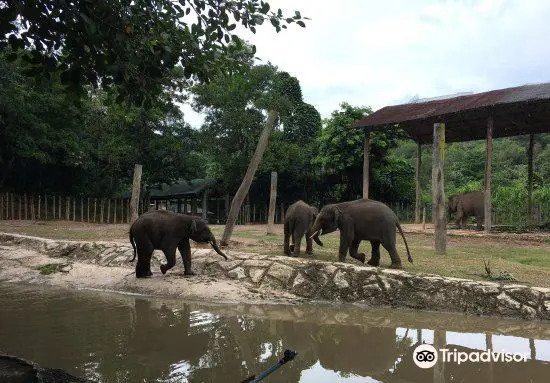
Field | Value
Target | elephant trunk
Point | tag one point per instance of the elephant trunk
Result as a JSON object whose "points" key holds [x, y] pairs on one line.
{"points": [[216, 248], [315, 237]]}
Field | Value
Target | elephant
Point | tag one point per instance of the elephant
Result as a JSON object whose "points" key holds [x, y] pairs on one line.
{"points": [[466, 205], [362, 219], [299, 219], [165, 230]]}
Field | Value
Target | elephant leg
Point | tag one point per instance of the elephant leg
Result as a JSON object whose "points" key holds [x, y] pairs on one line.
{"points": [[354, 247], [375, 254], [170, 254], [389, 245], [185, 251], [309, 243], [144, 253], [297, 239], [286, 248], [345, 242]]}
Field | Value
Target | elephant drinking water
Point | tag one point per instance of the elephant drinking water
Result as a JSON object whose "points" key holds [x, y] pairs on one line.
{"points": [[359, 220], [167, 231]]}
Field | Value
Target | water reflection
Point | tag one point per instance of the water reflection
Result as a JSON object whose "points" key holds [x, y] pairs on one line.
{"points": [[112, 338]]}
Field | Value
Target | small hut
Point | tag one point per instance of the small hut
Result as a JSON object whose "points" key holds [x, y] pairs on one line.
{"points": [[497, 113]]}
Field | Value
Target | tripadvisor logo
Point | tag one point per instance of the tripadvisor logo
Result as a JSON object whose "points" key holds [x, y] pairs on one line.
{"points": [[426, 356]]}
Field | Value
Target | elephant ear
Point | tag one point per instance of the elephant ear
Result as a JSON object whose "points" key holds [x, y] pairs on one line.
{"points": [[193, 226]]}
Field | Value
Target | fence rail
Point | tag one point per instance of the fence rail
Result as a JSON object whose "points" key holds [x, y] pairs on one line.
{"points": [[47, 207]]}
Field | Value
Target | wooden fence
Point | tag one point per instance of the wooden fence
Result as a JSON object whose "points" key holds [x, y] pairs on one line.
{"points": [[46, 207]]}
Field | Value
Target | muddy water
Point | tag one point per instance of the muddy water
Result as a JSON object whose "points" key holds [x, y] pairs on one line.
{"points": [[121, 338]]}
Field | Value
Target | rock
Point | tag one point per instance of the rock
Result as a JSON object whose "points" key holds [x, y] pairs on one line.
{"points": [[228, 265], [257, 263], [237, 273], [340, 280], [303, 287], [487, 288], [256, 274], [280, 272]]}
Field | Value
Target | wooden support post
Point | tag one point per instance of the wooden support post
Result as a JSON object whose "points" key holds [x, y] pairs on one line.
{"points": [[366, 166], [45, 207], [88, 210], [59, 209], [417, 180], [424, 218], [136, 187], [74, 208], [81, 209], [272, 200], [114, 212], [205, 204], [95, 210], [489, 145], [12, 206], [108, 210], [19, 205], [32, 208], [438, 192], [530, 178], [217, 210], [26, 208], [39, 203], [101, 207]]}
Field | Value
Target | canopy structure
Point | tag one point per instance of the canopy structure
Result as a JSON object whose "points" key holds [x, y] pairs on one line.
{"points": [[497, 113]]}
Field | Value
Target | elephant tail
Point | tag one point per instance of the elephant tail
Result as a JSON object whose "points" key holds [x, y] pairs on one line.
{"points": [[133, 245], [409, 257]]}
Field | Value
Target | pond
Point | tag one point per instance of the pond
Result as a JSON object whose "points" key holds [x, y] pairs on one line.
{"points": [[110, 337]]}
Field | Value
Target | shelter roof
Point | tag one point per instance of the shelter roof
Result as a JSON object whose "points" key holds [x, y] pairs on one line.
{"points": [[515, 111]]}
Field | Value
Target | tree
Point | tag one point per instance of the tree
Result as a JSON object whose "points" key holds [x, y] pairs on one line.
{"points": [[132, 46], [340, 157]]}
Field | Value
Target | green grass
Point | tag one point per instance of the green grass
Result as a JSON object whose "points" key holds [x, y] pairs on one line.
{"points": [[48, 269]]}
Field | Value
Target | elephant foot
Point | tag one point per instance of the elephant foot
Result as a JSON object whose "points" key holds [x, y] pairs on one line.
{"points": [[291, 248], [190, 272], [396, 265], [373, 262], [146, 275], [309, 252]]}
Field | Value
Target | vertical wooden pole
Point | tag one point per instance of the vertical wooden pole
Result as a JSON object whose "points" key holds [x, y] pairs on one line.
{"points": [[489, 145], [88, 209], [19, 205], [1, 207], [95, 210], [101, 207], [32, 208], [438, 192], [39, 203], [217, 210], [45, 207], [424, 218], [366, 166], [81, 209], [12, 206], [205, 204], [26, 207], [440, 341], [114, 210], [530, 178], [417, 180], [253, 213], [272, 200], [59, 209], [74, 208], [136, 187], [68, 209], [108, 210]]}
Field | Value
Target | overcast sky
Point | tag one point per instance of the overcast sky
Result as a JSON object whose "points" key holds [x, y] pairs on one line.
{"points": [[375, 53]]}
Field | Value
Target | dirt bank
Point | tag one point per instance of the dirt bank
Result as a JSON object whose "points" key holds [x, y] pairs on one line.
{"points": [[255, 278]]}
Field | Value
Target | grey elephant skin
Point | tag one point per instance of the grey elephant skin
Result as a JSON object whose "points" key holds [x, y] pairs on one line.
{"points": [[167, 231], [359, 220], [299, 220], [466, 205]]}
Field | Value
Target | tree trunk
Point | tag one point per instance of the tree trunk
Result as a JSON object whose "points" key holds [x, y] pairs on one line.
{"points": [[134, 201], [247, 181], [272, 200]]}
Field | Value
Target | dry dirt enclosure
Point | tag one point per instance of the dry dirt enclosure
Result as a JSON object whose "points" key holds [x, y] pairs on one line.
{"points": [[523, 257]]}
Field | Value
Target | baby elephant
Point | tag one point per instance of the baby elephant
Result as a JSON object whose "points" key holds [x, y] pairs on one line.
{"points": [[359, 220], [167, 231], [298, 221]]}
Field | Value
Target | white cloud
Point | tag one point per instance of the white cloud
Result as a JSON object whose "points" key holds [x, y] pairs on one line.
{"points": [[377, 53]]}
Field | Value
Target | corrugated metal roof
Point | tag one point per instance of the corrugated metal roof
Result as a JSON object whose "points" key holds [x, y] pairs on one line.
{"points": [[418, 111]]}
